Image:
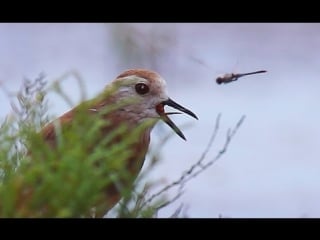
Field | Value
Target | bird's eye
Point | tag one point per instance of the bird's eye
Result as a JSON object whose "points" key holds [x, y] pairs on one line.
{"points": [[142, 88]]}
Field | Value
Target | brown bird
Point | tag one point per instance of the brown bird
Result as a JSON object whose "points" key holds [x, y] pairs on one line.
{"points": [[135, 98]]}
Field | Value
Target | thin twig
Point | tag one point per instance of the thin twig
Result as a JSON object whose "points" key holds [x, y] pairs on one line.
{"points": [[177, 212], [176, 197], [191, 172], [230, 135]]}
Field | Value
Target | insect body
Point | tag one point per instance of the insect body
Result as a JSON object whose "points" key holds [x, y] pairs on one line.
{"points": [[230, 77]]}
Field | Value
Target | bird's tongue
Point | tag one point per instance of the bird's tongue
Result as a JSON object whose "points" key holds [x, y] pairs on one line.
{"points": [[167, 120], [160, 109], [164, 115]]}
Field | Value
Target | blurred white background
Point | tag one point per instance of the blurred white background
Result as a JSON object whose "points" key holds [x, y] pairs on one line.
{"points": [[272, 167]]}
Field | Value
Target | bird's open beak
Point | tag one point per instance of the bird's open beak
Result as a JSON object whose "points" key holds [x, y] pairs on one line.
{"points": [[165, 118]]}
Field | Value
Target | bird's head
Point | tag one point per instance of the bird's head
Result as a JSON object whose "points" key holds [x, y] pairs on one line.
{"points": [[148, 89]]}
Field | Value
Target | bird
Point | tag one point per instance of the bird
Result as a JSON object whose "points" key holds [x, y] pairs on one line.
{"points": [[135, 98]]}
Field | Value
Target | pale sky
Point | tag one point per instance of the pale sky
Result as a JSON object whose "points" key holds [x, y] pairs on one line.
{"points": [[271, 169]]}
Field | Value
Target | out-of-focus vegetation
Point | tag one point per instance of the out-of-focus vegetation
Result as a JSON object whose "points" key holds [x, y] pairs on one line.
{"points": [[69, 181]]}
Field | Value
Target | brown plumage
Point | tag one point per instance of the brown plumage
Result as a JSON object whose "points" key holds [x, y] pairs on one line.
{"points": [[146, 94]]}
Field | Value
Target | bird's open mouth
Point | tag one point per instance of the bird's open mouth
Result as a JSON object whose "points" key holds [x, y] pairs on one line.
{"points": [[165, 118]]}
